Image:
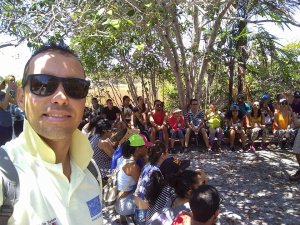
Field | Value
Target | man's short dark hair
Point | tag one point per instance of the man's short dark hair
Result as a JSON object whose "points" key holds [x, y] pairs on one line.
{"points": [[108, 100], [205, 201], [61, 48], [157, 100], [193, 100]]}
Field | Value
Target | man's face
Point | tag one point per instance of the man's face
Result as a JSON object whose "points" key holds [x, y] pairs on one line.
{"points": [[57, 116], [127, 101], [95, 104], [194, 105], [158, 106], [110, 104], [141, 101]]}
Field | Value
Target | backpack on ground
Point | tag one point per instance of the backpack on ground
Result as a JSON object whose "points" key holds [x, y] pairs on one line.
{"points": [[11, 184], [110, 190]]}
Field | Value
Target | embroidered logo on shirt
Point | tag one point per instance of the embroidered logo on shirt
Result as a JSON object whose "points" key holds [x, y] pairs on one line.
{"points": [[94, 206], [50, 222]]}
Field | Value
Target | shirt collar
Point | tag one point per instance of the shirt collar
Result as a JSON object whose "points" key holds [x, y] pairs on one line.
{"points": [[80, 150]]}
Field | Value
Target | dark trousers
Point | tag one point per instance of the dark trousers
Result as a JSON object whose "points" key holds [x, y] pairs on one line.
{"points": [[5, 134], [18, 127]]}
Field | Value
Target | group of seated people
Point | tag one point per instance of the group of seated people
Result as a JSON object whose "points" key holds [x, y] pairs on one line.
{"points": [[240, 121], [153, 188]]}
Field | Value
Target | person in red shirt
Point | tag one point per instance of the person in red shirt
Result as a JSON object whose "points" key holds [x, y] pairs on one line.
{"points": [[158, 120], [176, 122]]}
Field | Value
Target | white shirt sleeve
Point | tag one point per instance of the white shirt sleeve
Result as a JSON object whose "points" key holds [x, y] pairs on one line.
{"points": [[1, 192]]}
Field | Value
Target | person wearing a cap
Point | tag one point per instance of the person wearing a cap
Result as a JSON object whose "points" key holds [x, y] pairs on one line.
{"points": [[176, 122], [235, 124], [156, 156], [129, 172], [6, 98], [267, 109], [243, 106], [158, 119], [296, 147], [282, 122]]}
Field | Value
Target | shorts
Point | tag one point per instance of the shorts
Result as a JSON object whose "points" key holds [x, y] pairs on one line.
{"points": [[140, 216], [125, 206], [178, 133], [296, 146]]}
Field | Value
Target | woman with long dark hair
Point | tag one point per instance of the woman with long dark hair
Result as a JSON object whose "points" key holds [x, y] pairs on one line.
{"points": [[103, 147], [156, 155]]}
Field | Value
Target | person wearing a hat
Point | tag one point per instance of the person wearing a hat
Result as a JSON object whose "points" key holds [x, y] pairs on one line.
{"points": [[282, 123], [119, 138], [235, 124], [267, 109], [128, 172], [176, 122], [6, 98]]}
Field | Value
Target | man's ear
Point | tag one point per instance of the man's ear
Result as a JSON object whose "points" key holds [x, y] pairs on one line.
{"points": [[20, 98]]}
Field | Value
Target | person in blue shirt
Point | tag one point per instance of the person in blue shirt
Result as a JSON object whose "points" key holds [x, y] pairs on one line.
{"points": [[6, 98], [243, 106]]}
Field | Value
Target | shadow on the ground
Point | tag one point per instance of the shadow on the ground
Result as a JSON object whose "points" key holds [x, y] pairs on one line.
{"points": [[255, 186]]}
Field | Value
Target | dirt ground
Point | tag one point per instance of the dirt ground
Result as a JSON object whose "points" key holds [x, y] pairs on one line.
{"points": [[255, 186]]}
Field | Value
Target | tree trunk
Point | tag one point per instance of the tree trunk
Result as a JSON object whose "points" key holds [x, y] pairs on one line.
{"points": [[209, 48], [231, 75]]}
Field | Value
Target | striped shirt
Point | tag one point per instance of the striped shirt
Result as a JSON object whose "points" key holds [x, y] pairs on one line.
{"points": [[101, 158], [195, 118]]}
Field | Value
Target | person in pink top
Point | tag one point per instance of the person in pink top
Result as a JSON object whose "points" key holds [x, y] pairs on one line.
{"points": [[176, 122]]}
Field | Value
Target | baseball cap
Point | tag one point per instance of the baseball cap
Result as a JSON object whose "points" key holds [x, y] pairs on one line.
{"points": [[123, 135], [147, 143], [282, 100], [265, 97], [177, 110], [240, 96], [297, 94], [234, 107], [136, 140], [173, 165]]}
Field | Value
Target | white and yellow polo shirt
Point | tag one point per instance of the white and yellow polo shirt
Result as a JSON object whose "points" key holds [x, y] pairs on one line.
{"points": [[47, 197]]}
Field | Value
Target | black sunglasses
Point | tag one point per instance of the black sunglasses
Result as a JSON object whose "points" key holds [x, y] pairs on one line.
{"points": [[46, 85]]}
